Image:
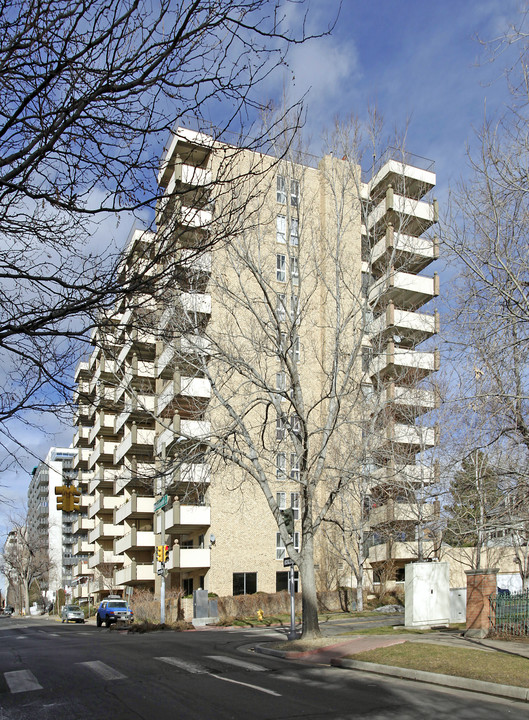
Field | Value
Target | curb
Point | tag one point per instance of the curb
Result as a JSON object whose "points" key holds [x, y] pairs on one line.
{"points": [[293, 655], [452, 681]]}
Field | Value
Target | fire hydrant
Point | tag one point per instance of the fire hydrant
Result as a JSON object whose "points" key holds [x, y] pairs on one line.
{"points": [[260, 615]]}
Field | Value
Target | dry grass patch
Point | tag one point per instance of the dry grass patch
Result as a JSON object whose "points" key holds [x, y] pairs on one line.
{"points": [[491, 666]]}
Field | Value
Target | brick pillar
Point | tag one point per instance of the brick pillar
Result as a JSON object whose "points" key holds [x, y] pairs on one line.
{"points": [[481, 584]]}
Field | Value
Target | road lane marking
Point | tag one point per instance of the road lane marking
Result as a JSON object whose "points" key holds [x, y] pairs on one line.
{"points": [[103, 670], [188, 665], [248, 685], [237, 663], [22, 681]]}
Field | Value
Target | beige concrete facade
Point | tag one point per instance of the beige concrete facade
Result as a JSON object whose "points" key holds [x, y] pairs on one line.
{"points": [[313, 265]]}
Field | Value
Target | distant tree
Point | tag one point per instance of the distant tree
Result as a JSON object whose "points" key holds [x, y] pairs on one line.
{"points": [[474, 498]]}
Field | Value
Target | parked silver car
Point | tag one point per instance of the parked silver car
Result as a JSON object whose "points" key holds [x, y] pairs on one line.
{"points": [[72, 612]]}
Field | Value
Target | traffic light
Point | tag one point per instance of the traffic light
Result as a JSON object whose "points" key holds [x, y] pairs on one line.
{"points": [[76, 499], [288, 517], [68, 499], [162, 553], [62, 492]]}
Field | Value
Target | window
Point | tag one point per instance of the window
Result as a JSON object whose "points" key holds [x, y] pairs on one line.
{"points": [[365, 285], [367, 354], [280, 428], [294, 270], [281, 551], [294, 231], [281, 382], [281, 190], [244, 583], [281, 500], [295, 424], [294, 308], [281, 229], [295, 350], [281, 268], [281, 307], [282, 581], [294, 504], [294, 467], [187, 586], [294, 193], [281, 464]]}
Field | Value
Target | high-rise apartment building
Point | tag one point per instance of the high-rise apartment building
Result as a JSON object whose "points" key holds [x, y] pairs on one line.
{"points": [[284, 351], [49, 530]]}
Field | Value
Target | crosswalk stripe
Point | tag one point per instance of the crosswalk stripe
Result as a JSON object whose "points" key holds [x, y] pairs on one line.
{"points": [[103, 670], [21, 681], [188, 665], [237, 663]]}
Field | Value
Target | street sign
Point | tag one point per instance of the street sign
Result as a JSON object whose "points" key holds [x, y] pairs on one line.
{"points": [[288, 562], [160, 571], [162, 502]]}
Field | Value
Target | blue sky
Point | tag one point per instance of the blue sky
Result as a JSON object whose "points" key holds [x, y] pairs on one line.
{"points": [[419, 62]]}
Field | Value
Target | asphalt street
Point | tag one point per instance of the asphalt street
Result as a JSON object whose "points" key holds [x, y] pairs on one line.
{"points": [[76, 672]]}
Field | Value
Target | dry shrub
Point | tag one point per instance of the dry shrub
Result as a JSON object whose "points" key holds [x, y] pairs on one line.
{"points": [[147, 607], [144, 627], [272, 604]]}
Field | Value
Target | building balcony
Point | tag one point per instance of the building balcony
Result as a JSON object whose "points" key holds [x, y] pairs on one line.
{"points": [[398, 438], [406, 215], [126, 476], [194, 474], [401, 512], [411, 174], [405, 476], [105, 531], [81, 437], [404, 365], [188, 558], [103, 452], [83, 546], [136, 441], [182, 348], [403, 252], [184, 518], [412, 328], [134, 540], [103, 477], [80, 461], [82, 569], [104, 504], [103, 425], [408, 402], [187, 303], [138, 407], [184, 147], [136, 507], [103, 557], [182, 431], [402, 551], [82, 524], [135, 573], [181, 390], [81, 372], [406, 290]]}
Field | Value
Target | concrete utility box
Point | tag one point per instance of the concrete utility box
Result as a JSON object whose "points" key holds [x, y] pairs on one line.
{"points": [[427, 588]]}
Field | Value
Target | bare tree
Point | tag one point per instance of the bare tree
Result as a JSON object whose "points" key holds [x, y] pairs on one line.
{"points": [[486, 234], [88, 90], [24, 561]]}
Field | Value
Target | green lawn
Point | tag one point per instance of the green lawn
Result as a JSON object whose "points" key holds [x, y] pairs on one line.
{"points": [[496, 667]]}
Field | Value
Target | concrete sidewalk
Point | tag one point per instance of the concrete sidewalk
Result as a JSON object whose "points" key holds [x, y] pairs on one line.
{"points": [[336, 653]]}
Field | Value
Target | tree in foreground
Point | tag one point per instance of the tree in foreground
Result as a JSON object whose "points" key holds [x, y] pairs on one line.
{"points": [[487, 236], [88, 93]]}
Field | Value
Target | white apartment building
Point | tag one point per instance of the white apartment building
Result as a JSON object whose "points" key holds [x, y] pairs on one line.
{"points": [[50, 530], [157, 395]]}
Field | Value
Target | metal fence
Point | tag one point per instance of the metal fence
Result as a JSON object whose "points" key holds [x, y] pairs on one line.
{"points": [[509, 614]]}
